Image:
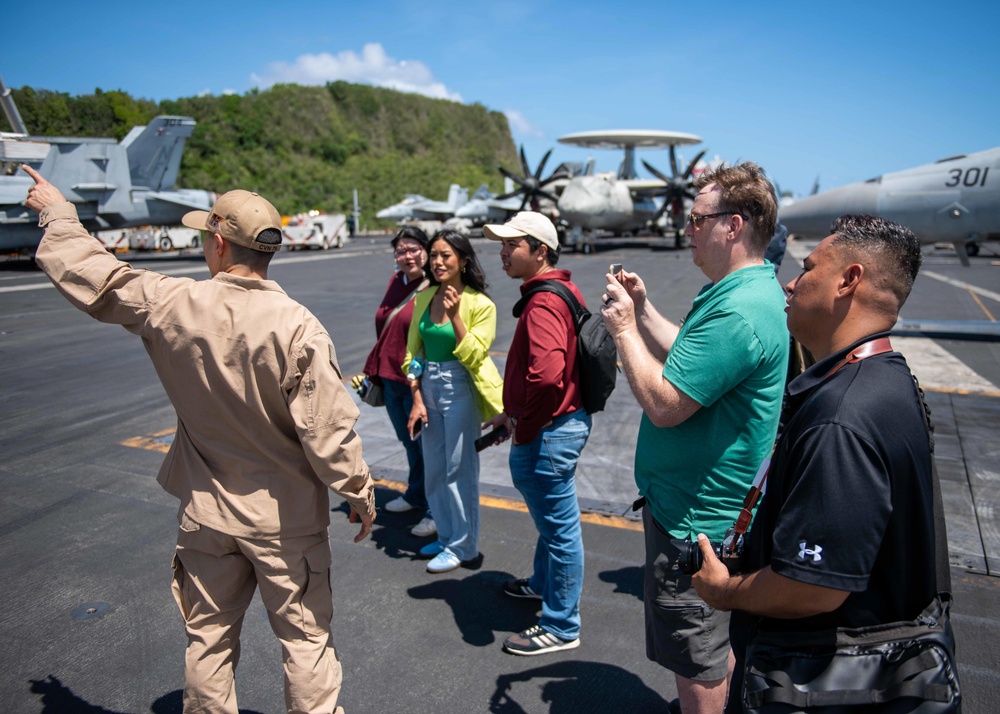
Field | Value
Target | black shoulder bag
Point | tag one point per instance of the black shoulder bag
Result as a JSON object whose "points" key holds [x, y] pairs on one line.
{"points": [[885, 669]]}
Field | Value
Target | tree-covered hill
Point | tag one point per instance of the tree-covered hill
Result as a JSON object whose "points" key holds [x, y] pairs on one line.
{"points": [[304, 147]]}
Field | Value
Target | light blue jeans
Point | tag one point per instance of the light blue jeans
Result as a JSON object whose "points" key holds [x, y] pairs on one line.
{"points": [[544, 471], [451, 464]]}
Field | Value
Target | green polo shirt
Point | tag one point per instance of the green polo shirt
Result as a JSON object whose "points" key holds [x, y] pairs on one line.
{"points": [[731, 356]]}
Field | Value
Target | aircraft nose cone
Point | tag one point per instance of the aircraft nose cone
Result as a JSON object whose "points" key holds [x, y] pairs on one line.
{"points": [[812, 217]]}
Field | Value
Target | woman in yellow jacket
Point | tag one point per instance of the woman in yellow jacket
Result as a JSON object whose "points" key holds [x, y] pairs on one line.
{"points": [[458, 388]]}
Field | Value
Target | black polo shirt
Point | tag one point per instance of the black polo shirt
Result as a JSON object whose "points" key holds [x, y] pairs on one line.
{"points": [[849, 497]]}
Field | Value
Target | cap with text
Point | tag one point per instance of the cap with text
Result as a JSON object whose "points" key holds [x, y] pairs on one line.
{"points": [[526, 223], [239, 217]]}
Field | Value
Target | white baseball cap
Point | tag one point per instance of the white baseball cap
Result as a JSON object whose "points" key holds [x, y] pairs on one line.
{"points": [[526, 223]]}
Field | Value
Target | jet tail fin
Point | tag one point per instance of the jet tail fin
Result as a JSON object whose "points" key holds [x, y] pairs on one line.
{"points": [[154, 151], [457, 197]]}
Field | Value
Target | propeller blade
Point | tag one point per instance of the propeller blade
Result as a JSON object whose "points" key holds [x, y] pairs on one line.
{"points": [[551, 196], [655, 173], [690, 168], [524, 202], [524, 163], [512, 176], [505, 196], [673, 160], [541, 165]]}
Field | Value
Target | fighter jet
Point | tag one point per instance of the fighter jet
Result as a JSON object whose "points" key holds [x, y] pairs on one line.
{"points": [[486, 207], [956, 199], [415, 207], [114, 185]]}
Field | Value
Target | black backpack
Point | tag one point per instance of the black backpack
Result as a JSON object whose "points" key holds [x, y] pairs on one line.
{"points": [[596, 351]]}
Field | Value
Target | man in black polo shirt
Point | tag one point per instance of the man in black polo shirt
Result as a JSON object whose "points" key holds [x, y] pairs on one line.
{"points": [[844, 536]]}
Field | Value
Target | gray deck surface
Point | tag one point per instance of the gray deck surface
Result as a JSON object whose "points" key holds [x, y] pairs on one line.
{"points": [[84, 526]]}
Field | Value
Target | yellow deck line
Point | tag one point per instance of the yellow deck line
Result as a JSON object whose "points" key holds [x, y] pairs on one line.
{"points": [[980, 303]]}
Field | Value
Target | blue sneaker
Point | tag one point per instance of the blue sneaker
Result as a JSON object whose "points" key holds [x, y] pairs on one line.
{"points": [[443, 562], [431, 549]]}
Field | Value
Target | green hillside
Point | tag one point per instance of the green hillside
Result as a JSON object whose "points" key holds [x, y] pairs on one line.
{"points": [[304, 147]]}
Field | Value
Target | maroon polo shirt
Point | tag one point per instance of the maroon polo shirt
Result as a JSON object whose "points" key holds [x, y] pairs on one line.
{"points": [[541, 379]]}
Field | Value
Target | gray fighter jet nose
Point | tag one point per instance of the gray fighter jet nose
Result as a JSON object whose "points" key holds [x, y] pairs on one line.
{"points": [[812, 217]]}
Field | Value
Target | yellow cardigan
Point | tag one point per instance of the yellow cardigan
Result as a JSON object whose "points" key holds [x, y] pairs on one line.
{"points": [[479, 315]]}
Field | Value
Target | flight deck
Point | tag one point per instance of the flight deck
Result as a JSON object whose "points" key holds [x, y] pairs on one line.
{"points": [[89, 624]]}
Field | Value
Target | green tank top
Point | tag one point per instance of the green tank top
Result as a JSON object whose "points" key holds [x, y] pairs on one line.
{"points": [[439, 340]]}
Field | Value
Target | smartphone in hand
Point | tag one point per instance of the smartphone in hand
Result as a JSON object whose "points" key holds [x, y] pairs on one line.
{"points": [[491, 438], [418, 429]]}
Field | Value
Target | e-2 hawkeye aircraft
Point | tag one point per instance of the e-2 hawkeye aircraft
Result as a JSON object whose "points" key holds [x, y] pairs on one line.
{"points": [[613, 202], [955, 200]]}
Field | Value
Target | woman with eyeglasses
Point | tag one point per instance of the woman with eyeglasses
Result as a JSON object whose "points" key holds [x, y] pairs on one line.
{"points": [[455, 388], [392, 325]]}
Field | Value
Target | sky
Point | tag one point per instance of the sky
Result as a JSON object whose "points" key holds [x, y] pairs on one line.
{"points": [[840, 91]]}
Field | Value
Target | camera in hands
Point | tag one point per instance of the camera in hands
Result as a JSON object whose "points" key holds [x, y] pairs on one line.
{"points": [[729, 551]]}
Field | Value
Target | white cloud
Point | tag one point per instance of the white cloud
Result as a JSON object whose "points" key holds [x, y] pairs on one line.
{"points": [[373, 66], [522, 126]]}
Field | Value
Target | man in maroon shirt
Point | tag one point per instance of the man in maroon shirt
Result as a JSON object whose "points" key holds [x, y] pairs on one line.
{"points": [[543, 410]]}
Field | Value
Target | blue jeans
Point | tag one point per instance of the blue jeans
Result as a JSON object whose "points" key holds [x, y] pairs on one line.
{"points": [[398, 403], [451, 464], [543, 470]]}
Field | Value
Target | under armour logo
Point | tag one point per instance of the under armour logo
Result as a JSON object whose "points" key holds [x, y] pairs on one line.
{"points": [[815, 553]]}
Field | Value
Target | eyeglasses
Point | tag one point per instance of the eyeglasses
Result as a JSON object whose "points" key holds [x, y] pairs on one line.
{"points": [[695, 220], [400, 252]]}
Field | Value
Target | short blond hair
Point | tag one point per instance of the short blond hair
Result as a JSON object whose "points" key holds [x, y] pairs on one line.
{"points": [[746, 189]]}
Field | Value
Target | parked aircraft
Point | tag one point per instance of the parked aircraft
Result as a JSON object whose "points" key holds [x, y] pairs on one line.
{"points": [[114, 185], [956, 199], [486, 207], [622, 202], [618, 202], [420, 208]]}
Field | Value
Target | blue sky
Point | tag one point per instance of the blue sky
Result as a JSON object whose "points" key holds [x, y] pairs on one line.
{"points": [[842, 91]]}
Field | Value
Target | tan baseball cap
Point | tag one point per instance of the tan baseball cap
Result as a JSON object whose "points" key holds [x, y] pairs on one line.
{"points": [[525, 223], [239, 217]]}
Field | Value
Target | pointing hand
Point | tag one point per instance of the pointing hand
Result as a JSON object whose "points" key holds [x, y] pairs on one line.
{"points": [[43, 193]]}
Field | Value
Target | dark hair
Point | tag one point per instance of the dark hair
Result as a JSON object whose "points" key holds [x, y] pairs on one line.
{"points": [[551, 255], [256, 260], [746, 189], [413, 233], [891, 251], [473, 275]]}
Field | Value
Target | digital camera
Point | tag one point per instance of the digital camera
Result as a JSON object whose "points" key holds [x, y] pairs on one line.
{"points": [[689, 557]]}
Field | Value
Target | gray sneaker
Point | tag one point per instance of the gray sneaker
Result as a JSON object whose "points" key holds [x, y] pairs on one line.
{"points": [[399, 505], [425, 528]]}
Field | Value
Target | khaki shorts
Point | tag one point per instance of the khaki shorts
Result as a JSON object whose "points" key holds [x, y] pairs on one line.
{"points": [[683, 634]]}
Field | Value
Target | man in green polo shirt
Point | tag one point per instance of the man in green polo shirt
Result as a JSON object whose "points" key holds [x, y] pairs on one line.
{"points": [[710, 390]]}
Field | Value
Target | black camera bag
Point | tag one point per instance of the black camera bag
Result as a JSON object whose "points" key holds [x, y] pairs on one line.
{"points": [[890, 669]]}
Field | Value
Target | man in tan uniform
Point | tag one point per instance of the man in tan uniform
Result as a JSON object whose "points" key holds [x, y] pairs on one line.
{"points": [[264, 428]]}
